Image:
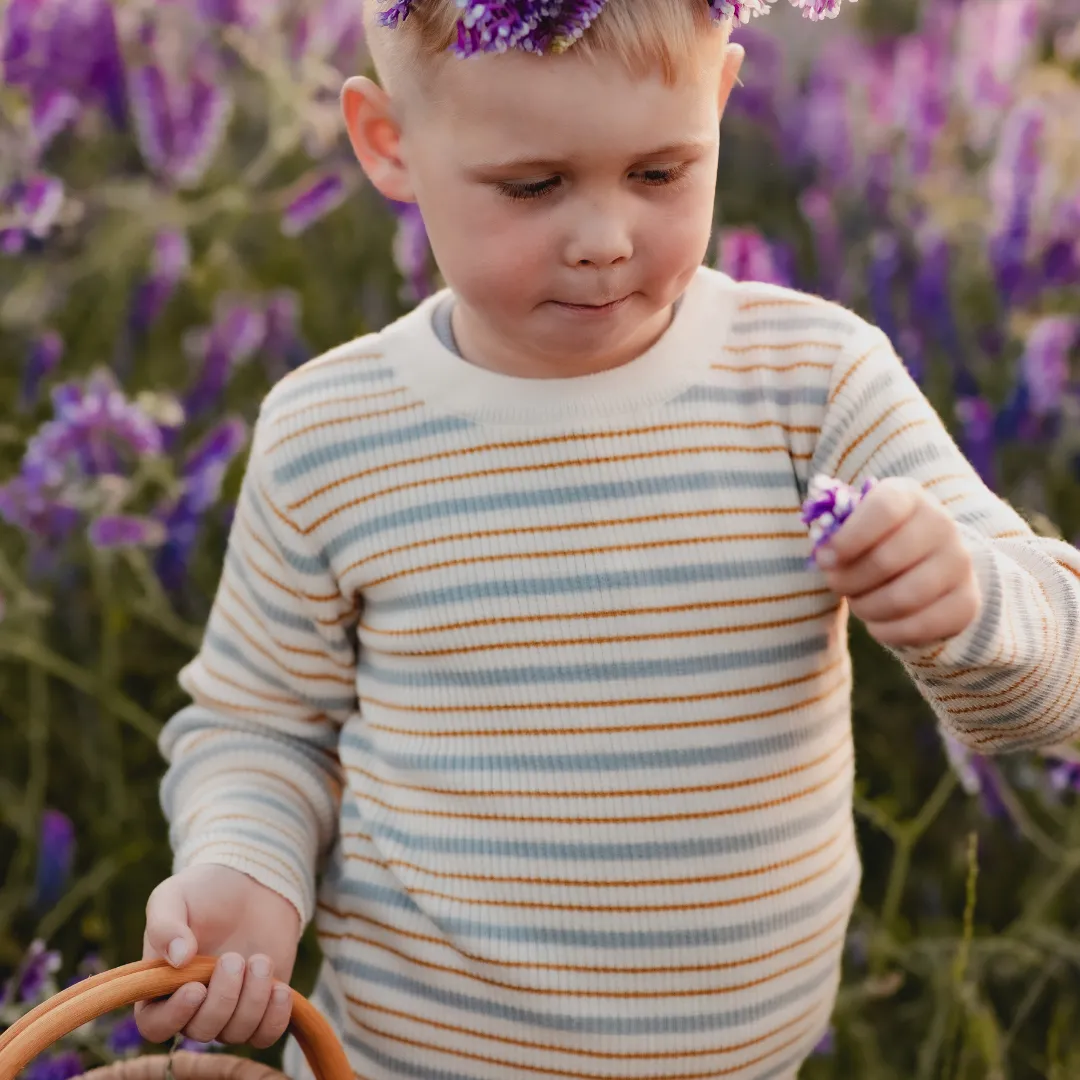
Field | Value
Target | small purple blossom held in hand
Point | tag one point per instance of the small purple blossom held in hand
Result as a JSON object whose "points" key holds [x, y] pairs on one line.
{"points": [[828, 505]]}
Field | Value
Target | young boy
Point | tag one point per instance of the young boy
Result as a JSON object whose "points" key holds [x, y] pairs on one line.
{"points": [[516, 637]]}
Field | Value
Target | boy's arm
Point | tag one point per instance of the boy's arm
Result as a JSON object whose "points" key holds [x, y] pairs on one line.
{"points": [[254, 779], [1011, 681]]}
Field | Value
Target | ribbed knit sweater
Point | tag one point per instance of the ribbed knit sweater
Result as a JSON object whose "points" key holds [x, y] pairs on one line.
{"points": [[535, 671]]}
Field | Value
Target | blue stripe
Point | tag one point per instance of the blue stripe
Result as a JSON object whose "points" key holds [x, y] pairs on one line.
{"points": [[273, 612], [636, 578], [624, 492], [841, 327], [536, 675], [582, 1024], [343, 377], [360, 447], [321, 704], [703, 755], [756, 395], [699, 847]]}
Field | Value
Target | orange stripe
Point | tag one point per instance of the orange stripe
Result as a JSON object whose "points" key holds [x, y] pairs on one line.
{"points": [[686, 725], [208, 701], [625, 793], [674, 635], [742, 368], [296, 594], [205, 822], [569, 526], [850, 372], [249, 528], [280, 418], [753, 305], [312, 676], [894, 407], [583, 883], [320, 425], [903, 429], [348, 665], [514, 1067], [667, 609], [639, 819], [550, 706], [555, 440], [262, 695], [537, 965], [785, 347], [286, 871], [321, 362], [603, 549]]}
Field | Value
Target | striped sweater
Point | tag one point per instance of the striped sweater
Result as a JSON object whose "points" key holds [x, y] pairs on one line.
{"points": [[534, 673]]}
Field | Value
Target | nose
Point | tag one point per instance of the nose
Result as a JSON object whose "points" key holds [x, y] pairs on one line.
{"points": [[599, 239]]}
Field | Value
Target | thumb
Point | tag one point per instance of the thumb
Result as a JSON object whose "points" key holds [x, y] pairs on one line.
{"points": [[167, 932]]}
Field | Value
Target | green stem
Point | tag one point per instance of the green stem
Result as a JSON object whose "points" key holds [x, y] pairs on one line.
{"points": [[114, 781], [40, 656]]}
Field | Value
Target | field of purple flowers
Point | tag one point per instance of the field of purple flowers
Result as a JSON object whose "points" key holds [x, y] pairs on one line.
{"points": [[180, 225]]}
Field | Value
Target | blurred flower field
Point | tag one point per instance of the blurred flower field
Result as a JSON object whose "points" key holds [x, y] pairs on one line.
{"points": [[180, 225]]}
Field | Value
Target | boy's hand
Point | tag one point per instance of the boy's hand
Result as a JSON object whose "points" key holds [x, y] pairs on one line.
{"points": [[902, 563], [218, 911]]}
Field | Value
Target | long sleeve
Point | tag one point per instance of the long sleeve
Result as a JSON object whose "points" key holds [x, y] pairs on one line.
{"points": [[254, 780], [1011, 681]]}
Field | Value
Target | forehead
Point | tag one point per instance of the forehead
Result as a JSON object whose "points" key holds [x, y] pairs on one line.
{"points": [[520, 105]]}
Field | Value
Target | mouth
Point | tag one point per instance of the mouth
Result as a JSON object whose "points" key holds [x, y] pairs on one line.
{"points": [[592, 309]]}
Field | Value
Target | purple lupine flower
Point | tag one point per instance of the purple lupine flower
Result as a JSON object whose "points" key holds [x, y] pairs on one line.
{"points": [[921, 73], [1063, 775], [180, 122], [317, 199], [333, 31], [828, 504], [412, 252], [976, 417], [884, 267], [125, 1037], [284, 348], [930, 293], [65, 45], [28, 211], [56, 853], [124, 531], [818, 130], [978, 776], [763, 80], [1014, 177], [35, 973], [745, 255], [826, 1044], [51, 112], [169, 263], [45, 356], [819, 213], [202, 475], [62, 1066], [1044, 366], [238, 332]]}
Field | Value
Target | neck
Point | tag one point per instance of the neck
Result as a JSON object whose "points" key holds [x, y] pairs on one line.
{"points": [[484, 346]]}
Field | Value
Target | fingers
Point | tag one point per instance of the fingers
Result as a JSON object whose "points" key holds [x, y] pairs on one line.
{"points": [[275, 1020], [253, 1002], [167, 931], [159, 1021], [943, 619], [884, 510], [914, 590], [221, 1000]]}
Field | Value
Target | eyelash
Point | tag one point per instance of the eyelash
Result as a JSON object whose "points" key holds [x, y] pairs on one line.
{"points": [[537, 189]]}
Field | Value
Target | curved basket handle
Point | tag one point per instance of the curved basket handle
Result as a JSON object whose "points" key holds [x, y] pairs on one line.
{"points": [[85, 1001]]}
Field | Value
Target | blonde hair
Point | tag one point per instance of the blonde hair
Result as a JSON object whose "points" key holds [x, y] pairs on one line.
{"points": [[645, 36]]}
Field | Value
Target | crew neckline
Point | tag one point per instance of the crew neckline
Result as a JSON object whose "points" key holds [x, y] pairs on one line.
{"points": [[677, 360]]}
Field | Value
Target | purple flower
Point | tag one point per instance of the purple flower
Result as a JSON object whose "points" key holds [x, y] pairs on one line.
{"points": [[978, 775], [826, 1044], [179, 122], [238, 332], [122, 530], [819, 213], [333, 31], [125, 1037], [169, 263], [45, 355], [1044, 366], [318, 198], [1014, 177], [28, 211], [62, 1066], [828, 504], [35, 973], [284, 347], [921, 73], [746, 255], [56, 852], [68, 46], [976, 419], [931, 298], [51, 112], [1063, 775], [884, 267], [412, 252]]}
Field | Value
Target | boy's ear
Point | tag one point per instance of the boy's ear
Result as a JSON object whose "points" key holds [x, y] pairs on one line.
{"points": [[729, 76], [376, 137]]}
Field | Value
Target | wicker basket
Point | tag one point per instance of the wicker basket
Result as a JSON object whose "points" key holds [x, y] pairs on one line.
{"points": [[87, 1000]]}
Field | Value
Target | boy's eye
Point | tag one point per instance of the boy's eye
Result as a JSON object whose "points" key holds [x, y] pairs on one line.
{"points": [[529, 189], [660, 176]]}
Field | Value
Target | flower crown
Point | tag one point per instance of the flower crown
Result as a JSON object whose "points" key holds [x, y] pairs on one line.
{"points": [[542, 26]]}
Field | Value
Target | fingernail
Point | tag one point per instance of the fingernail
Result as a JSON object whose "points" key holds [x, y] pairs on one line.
{"points": [[281, 994], [194, 995], [826, 559], [232, 964], [177, 951], [260, 967]]}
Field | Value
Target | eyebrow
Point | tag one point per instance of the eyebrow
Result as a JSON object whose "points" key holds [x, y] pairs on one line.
{"points": [[672, 150]]}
